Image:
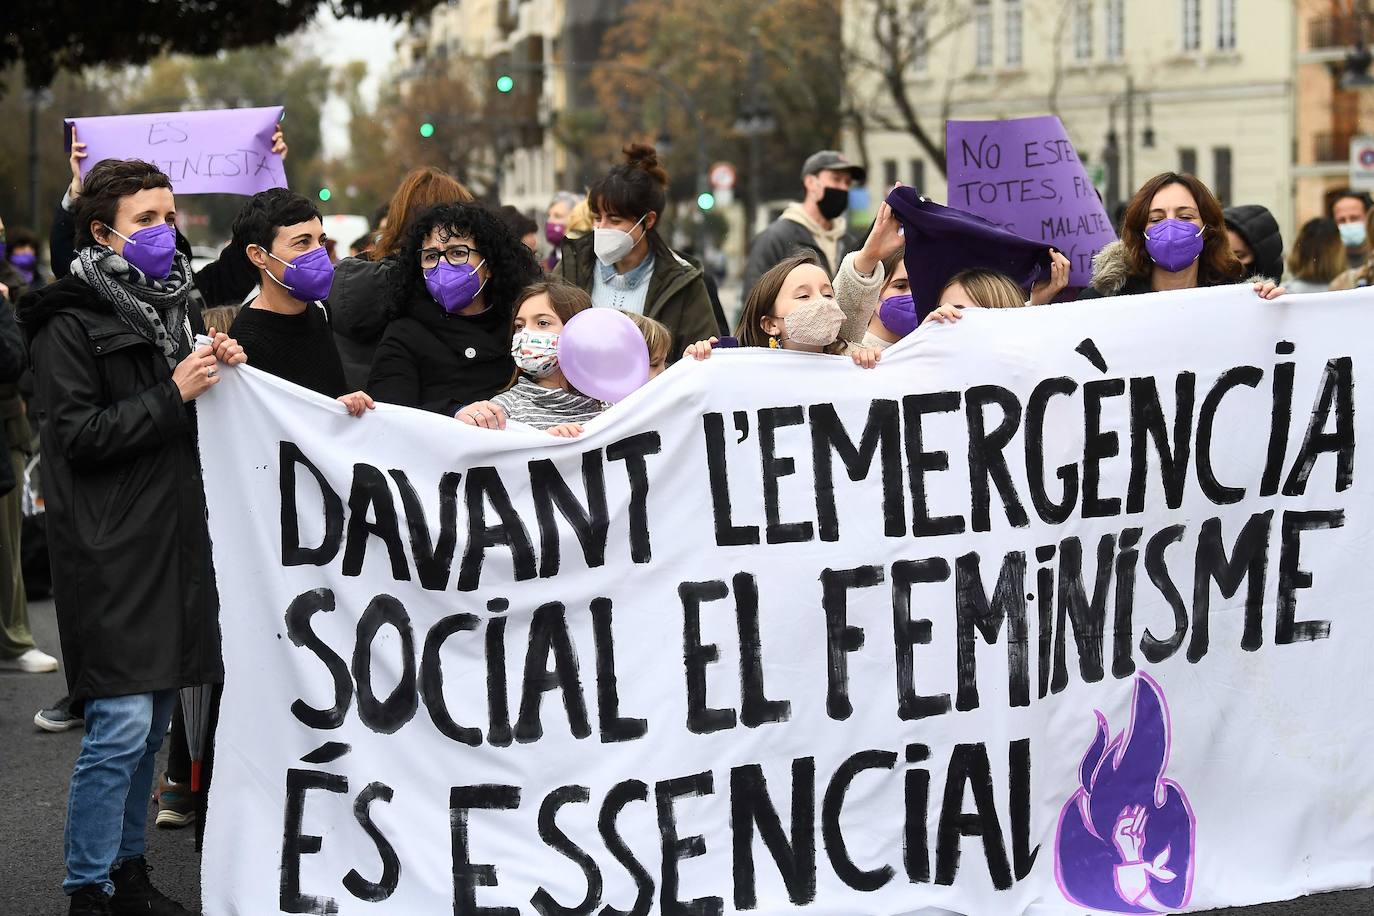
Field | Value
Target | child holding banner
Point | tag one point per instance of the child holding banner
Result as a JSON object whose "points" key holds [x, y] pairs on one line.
{"points": [[539, 395], [792, 307]]}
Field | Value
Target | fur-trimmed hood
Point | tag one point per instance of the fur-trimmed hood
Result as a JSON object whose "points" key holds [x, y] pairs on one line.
{"points": [[1111, 268], [1112, 272]]}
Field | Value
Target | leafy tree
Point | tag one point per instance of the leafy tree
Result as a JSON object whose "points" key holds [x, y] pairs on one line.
{"points": [[705, 46], [466, 126], [249, 77], [49, 36]]}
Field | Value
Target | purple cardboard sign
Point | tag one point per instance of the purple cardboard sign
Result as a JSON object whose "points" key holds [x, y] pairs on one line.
{"points": [[203, 152], [1024, 175]]}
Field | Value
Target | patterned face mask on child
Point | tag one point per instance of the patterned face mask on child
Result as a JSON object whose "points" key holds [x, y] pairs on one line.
{"points": [[535, 352], [814, 324]]}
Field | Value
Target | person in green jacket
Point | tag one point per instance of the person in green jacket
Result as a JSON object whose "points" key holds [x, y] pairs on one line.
{"points": [[625, 264]]}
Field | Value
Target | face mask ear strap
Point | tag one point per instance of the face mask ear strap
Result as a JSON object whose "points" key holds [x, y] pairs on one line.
{"points": [[112, 229]]}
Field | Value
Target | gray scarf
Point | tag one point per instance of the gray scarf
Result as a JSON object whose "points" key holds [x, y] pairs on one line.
{"points": [[154, 309]]}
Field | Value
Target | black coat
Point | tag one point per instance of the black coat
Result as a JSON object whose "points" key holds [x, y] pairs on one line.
{"points": [[130, 552], [435, 361], [13, 359], [782, 239], [359, 302]]}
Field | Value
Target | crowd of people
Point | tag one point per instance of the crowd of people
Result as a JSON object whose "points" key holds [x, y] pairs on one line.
{"points": [[446, 306]]}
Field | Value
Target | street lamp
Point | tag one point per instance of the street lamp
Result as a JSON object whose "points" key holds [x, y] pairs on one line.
{"points": [[1355, 73], [755, 121], [1112, 146]]}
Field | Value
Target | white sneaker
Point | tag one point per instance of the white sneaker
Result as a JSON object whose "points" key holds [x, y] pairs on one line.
{"points": [[31, 662]]}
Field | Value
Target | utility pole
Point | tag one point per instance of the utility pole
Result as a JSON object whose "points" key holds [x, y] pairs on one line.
{"points": [[35, 99]]}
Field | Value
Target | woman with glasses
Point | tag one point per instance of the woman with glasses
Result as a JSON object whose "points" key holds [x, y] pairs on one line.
{"points": [[448, 339]]}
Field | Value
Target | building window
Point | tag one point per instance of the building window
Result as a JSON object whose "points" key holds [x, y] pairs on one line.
{"points": [[1187, 160], [1221, 173], [982, 34], [1192, 25], [918, 175], [1226, 25], [920, 36], [1012, 23], [1083, 30], [1116, 29], [889, 173]]}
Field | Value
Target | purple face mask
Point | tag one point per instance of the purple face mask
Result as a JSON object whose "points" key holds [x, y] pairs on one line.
{"points": [[1173, 243], [898, 314], [151, 250], [24, 264], [555, 233], [308, 276], [454, 287]]}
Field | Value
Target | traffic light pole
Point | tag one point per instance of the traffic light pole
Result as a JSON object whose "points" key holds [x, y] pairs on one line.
{"points": [[683, 98]]}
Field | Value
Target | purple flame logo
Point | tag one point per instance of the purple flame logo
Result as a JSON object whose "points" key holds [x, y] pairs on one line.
{"points": [[1127, 836]]}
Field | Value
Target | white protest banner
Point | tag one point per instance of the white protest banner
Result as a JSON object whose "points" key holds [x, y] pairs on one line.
{"points": [[1057, 610]]}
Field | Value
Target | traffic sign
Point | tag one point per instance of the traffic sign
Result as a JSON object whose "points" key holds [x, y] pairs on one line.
{"points": [[722, 176], [1362, 163]]}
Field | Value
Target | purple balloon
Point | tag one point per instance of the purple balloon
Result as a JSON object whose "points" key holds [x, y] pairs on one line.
{"points": [[602, 353]]}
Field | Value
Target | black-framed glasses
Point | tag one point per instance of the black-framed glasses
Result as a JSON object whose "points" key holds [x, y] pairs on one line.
{"points": [[457, 256]]}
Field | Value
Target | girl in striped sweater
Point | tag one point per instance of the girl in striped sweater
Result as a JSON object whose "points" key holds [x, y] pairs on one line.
{"points": [[538, 395]]}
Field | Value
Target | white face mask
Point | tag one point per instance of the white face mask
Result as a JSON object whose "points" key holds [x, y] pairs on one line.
{"points": [[612, 245]]}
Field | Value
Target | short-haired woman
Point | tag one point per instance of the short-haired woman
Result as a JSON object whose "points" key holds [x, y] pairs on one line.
{"points": [[115, 369]]}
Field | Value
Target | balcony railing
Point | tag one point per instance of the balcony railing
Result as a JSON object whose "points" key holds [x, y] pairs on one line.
{"points": [[1331, 147], [1332, 32]]}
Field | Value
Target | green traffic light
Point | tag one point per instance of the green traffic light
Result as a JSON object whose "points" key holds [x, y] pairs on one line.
{"points": [[325, 194], [426, 130], [706, 200], [505, 83]]}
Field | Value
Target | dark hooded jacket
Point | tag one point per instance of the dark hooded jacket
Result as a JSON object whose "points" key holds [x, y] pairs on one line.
{"points": [[131, 570], [676, 297], [14, 418], [435, 361], [1260, 230], [359, 302]]}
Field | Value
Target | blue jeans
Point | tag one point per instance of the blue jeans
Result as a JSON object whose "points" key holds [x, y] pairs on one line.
{"points": [[107, 811]]}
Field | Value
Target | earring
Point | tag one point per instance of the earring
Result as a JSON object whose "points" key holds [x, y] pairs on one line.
{"points": [[772, 342]]}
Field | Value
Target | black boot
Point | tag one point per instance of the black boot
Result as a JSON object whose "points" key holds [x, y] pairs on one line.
{"points": [[135, 894], [89, 901]]}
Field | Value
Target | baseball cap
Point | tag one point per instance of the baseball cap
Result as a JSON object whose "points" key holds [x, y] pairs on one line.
{"points": [[835, 161]]}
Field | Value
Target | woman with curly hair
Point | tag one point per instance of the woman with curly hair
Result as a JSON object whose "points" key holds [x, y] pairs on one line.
{"points": [[448, 340], [1172, 237]]}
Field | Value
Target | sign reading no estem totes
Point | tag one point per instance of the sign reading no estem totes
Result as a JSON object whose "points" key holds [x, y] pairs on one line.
{"points": [[1025, 175]]}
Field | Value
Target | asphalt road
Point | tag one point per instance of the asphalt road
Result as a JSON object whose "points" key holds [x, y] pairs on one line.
{"points": [[35, 767]]}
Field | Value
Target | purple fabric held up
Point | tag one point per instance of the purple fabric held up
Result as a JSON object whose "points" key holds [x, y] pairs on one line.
{"points": [[942, 241], [1025, 175]]}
